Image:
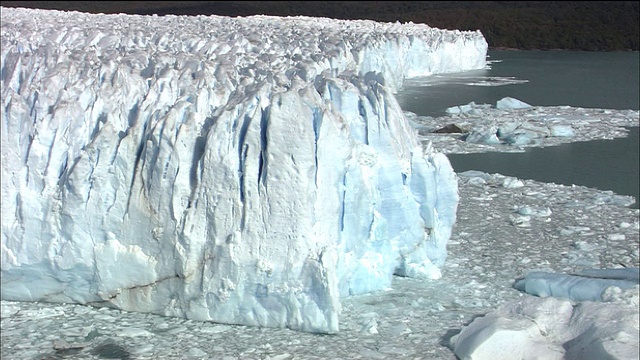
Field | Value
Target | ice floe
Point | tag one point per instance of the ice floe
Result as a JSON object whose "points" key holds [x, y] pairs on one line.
{"points": [[512, 126]]}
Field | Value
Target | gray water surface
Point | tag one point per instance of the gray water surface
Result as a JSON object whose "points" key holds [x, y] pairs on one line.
{"points": [[601, 164], [546, 78], [607, 80]]}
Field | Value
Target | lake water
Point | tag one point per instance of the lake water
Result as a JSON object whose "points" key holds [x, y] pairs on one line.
{"points": [[546, 78]]}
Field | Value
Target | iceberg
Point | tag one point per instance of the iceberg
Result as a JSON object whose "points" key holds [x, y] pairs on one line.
{"points": [[237, 170], [551, 328], [586, 285], [511, 103]]}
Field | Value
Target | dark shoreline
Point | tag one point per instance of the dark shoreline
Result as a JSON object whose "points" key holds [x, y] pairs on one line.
{"points": [[503, 48]]}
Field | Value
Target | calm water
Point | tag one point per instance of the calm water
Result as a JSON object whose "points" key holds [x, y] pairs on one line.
{"points": [[584, 79]]}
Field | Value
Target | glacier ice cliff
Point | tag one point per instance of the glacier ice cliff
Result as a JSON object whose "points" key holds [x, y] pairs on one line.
{"points": [[238, 170]]}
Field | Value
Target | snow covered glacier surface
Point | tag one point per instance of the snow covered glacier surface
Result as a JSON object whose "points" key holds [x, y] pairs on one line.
{"points": [[237, 170]]}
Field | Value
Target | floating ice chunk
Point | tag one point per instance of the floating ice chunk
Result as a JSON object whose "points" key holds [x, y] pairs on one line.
{"points": [[475, 177], [520, 220], [549, 328], [588, 285], [534, 211], [512, 183], [508, 128], [605, 197], [482, 136], [475, 173], [520, 138], [461, 109], [581, 258], [511, 103], [132, 332], [423, 270], [195, 352], [562, 131], [7, 311], [501, 335], [569, 229], [608, 197], [629, 274], [616, 237], [629, 296], [369, 323]]}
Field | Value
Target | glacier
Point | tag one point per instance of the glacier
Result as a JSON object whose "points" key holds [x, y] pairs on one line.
{"points": [[246, 171]]}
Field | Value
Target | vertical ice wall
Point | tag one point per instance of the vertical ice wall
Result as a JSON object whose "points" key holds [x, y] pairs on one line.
{"points": [[238, 170]]}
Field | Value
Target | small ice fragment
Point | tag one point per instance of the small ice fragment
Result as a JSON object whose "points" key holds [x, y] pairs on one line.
{"points": [[195, 352], [133, 332], [562, 131], [511, 103], [512, 183], [520, 220]]}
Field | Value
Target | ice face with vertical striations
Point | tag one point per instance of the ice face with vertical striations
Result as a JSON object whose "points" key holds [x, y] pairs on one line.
{"points": [[237, 170]]}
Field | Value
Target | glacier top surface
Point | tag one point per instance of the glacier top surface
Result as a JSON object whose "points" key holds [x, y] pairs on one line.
{"points": [[245, 49]]}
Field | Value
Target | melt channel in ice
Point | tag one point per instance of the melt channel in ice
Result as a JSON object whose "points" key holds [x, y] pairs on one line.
{"points": [[238, 170]]}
